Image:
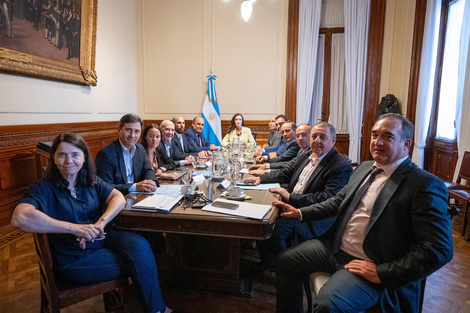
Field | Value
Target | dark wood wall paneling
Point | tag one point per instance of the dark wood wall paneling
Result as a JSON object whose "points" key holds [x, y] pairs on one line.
{"points": [[20, 166]]}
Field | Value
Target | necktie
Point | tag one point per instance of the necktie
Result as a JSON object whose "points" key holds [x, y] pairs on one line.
{"points": [[200, 141], [351, 208], [181, 141]]}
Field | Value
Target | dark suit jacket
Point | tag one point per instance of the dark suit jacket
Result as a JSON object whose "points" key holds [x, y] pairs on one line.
{"points": [[288, 154], [331, 174], [193, 141], [111, 168], [179, 152], [290, 163], [409, 234], [163, 159]]}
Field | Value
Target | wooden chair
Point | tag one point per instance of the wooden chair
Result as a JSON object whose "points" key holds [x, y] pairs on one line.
{"points": [[460, 192], [318, 279], [464, 173], [56, 295], [463, 198]]}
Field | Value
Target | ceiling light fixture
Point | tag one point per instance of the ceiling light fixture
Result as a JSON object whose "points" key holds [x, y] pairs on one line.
{"points": [[246, 10]]}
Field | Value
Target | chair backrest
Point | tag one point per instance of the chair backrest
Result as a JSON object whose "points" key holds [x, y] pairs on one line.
{"points": [[464, 171], [46, 268]]}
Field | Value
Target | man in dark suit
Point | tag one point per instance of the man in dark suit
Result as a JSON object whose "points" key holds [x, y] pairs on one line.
{"points": [[314, 177], [197, 141], [170, 147], [287, 149], [123, 163], [302, 134], [180, 144], [392, 229]]}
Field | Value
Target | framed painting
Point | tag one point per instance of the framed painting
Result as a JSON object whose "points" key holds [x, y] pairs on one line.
{"points": [[49, 39]]}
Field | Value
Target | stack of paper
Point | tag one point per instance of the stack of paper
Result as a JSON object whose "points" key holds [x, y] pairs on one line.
{"points": [[158, 203], [250, 210]]}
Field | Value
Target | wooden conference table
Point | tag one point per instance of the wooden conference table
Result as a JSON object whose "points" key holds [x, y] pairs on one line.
{"points": [[204, 246]]}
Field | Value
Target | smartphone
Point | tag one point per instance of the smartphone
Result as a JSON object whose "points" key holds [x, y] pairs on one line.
{"points": [[225, 205], [240, 183]]}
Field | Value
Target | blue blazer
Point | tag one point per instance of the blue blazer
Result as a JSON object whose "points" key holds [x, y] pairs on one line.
{"points": [[409, 234], [286, 153], [110, 166], [328, 178], [193, 141]]}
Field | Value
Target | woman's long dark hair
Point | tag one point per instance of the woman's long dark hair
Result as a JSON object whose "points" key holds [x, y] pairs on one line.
{"points": [[232, 122], [143, 139], [87, 174]]}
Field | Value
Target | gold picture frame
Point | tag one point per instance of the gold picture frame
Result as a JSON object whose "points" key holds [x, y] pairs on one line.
{"points": [[18, 63]]}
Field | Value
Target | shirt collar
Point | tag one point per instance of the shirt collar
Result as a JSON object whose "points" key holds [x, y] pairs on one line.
{"points": [[124, 148], [178, 135], [390, 168], [316, 160]]}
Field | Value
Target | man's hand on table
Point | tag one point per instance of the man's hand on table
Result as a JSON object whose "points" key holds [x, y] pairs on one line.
{"points": [[146, 185], [285, 195], [257, 167], [257, 172], [260, 159], [189, 159], [203, 154], [287, 210], [254, 180]]}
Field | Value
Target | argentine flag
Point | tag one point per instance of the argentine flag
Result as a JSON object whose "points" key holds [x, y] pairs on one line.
{"points": [[211, 114]]}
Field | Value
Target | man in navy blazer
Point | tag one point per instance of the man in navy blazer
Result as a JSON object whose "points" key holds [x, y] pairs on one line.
{"points": [[179, 142], [313, 178], [287, 149], [197, 141], [123, 163], [392, 230]]}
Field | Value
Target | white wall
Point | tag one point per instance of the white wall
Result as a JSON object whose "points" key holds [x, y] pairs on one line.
{"points": [[183, 39], [36, 101]]}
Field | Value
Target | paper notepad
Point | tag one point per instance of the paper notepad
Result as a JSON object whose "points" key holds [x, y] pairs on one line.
{"points": [[245, 209], [158, 203], [262, 186]]}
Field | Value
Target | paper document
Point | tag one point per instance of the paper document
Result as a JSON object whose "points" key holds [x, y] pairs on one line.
{"points": [[262, 186], [244, 171], [203, 173], [168, 189], [245, 209], [158, 203]]}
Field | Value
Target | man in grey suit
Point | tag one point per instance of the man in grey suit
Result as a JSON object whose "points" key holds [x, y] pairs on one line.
{"points": [[392, 229], [123, 163], [313, 178]]}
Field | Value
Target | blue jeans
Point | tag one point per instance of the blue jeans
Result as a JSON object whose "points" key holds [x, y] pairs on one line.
{"points": [[344, 291], [124, 254]]}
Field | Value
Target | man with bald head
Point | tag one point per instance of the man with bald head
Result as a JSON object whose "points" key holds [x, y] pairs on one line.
{"points": [[274, 136], [195, 137]]}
